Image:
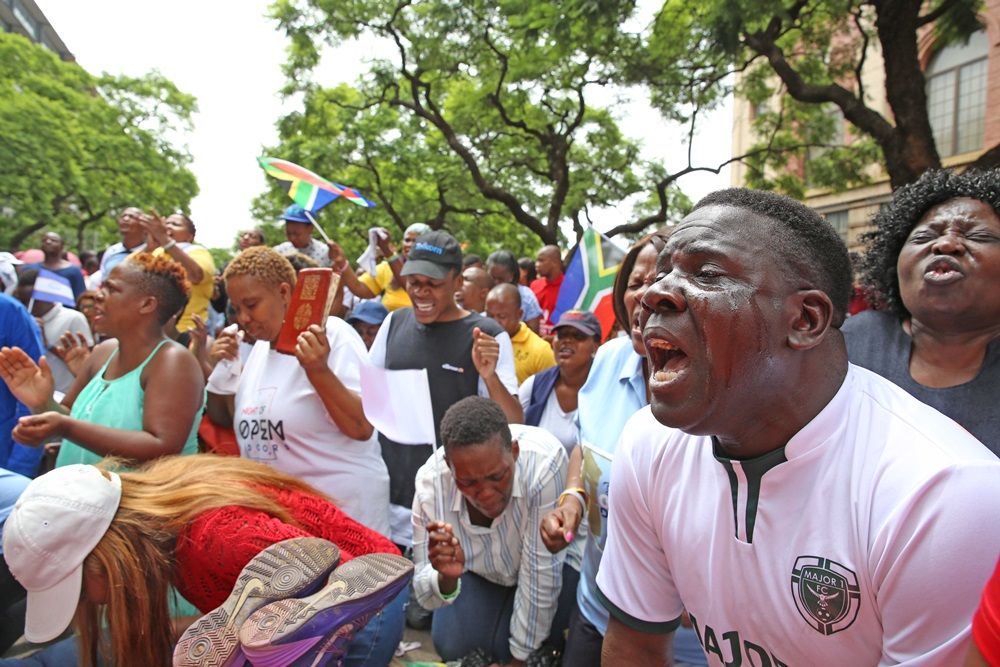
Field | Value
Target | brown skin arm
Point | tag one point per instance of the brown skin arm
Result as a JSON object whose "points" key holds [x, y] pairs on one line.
{"points": [[221, 408], [564, 521], [625, 646], [975, 658], [348, 278], [156, 230], [173, 384], [485, 354], [344, 406]]}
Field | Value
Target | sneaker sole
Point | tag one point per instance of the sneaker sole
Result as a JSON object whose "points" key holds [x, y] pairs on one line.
{"points": [[314, 630], [298, 566]]}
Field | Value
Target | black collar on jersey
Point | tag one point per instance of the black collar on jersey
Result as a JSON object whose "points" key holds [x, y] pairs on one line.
{"points": [[753, 469]]}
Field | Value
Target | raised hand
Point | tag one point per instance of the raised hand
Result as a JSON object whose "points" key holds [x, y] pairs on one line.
{"points": [[444, 550], [31, 383], [485, 353], [74, 350], [312, 349], [155, 227], [336, 254], [226, 346]]}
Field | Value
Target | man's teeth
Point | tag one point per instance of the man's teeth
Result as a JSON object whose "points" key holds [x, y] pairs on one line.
{"points": [[664, 376]]}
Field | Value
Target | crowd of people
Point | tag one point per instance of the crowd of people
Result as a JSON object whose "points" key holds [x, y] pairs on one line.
{"points": [[759, 468]]}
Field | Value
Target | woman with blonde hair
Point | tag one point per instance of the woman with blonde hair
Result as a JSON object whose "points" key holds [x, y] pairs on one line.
{"points": [[230, 534]]}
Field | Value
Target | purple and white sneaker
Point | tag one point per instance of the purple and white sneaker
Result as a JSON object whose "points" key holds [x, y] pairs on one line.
{"points": [[298, 566], [318, 630]]}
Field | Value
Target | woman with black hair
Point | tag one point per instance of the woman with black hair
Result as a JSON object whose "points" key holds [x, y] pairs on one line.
{"points": [[934, 257]]}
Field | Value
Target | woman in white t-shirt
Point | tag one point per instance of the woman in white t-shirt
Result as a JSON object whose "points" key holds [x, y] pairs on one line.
{"points": [[549, 398], [301, 414]]}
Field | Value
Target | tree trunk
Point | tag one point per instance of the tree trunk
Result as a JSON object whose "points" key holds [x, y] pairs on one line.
{"points": [[20, 236], [911, 149], [988, 160]]}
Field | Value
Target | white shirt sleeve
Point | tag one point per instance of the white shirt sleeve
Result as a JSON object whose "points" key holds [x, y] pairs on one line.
{"points": [[425, 577], [634, 576], [505, 365], [539, 578], [347, 353], [935, 538]]}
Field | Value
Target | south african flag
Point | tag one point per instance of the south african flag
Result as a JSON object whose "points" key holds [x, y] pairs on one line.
{"points": [[590, 278], [306, 189]]}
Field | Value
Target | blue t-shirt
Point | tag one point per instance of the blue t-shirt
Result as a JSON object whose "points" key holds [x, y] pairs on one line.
{"points": [[17, 329]]}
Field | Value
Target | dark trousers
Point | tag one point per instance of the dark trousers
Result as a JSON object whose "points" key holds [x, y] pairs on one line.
{"points": [[12, 608], [583, 646], [480, 618]]}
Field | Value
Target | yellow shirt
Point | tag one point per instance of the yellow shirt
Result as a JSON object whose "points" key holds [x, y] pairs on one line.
{"points": [[531, 353], [381, 283], [201, 293]]}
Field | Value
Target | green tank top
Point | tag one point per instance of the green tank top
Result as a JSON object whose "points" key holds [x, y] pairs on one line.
{"points": [[117, 404]]}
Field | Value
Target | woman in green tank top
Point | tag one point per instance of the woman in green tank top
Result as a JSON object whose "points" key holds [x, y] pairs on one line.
{"points": [[138, 396]]}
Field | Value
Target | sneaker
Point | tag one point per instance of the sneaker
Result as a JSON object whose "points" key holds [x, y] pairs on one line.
{"points": [[318, 629], [298, 566]]}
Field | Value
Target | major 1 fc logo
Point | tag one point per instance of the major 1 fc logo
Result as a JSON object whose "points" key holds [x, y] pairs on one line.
{"points": [[826, 593]]}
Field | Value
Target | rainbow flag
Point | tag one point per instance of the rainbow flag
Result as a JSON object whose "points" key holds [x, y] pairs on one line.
{"points": [[590, 278], [306, 189]]}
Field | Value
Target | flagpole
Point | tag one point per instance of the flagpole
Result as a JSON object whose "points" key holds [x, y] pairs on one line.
{"points": [[316, 225], [31, 303]]}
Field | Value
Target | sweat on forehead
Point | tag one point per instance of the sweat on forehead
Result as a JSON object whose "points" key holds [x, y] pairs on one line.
{"points": [[798, 236]]}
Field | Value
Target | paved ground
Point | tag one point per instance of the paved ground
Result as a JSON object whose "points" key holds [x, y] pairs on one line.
{"points": [[426, 651]]}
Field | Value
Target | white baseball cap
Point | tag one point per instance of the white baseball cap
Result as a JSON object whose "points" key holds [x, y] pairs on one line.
{"points": [[55, 524]]}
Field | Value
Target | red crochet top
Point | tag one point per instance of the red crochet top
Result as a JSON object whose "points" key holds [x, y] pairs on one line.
{"points": [[986, 623], [214, 549]]}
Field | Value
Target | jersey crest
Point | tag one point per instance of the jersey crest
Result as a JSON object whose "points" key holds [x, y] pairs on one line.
{"points": [[826, 593]]}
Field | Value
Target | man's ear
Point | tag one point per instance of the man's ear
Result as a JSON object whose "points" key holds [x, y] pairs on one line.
{"points": [[812, 317], [515, 449]]}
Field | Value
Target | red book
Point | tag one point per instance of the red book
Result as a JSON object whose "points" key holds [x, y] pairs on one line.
{"points": [[312, 298]]}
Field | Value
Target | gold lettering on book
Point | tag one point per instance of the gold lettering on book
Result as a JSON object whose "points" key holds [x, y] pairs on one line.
{"points": [[309, 288], [302, 316]]}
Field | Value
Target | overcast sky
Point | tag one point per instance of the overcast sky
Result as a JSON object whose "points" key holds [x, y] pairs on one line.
{"points": [[228, 55]]}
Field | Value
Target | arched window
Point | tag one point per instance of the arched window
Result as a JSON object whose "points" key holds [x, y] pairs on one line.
{"points": [[956, 95]]}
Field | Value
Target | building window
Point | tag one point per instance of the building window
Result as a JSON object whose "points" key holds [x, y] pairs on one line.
{"points": [[840, 222], [26, 19], [956, 96]]}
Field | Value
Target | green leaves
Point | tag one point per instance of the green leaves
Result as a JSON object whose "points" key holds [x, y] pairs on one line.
{"points": [[481, 124], [77, 148]]}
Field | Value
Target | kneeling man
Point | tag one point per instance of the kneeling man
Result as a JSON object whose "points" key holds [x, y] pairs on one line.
{"points": [[480, 560]]}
